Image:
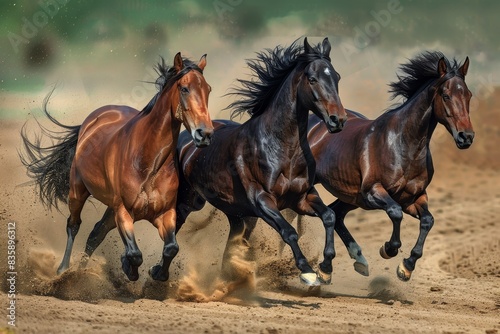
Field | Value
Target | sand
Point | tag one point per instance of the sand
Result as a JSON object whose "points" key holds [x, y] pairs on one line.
{"points": [[454, 289]]}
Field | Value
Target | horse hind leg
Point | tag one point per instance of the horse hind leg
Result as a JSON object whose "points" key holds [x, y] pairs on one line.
{"points": [[341, 209], [98, 234], [77, 197]]}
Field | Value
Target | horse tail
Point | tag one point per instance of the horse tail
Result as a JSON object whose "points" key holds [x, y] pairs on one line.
{"points": [[49, 166]]}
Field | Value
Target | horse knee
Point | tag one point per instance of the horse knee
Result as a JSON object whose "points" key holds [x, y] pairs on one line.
{"points": [[426, 223], [329, 218], [395, 212], [289, 235], [170, 250]]}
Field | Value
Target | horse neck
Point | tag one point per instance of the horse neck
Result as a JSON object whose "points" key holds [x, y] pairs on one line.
{"points": [[286, 118], [415, 120], [159, 129]]}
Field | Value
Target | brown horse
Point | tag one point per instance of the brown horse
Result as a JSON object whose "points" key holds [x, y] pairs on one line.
{"points": [[125, 158], [386, 163]]}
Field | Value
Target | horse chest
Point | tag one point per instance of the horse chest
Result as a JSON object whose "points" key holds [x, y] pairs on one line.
{"points": [[409, 187], [286, 185], [155, 194]]}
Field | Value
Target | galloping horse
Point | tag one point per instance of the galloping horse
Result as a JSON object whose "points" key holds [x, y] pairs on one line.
{"points": [[265, 164], [125, 158], [386, 163]]}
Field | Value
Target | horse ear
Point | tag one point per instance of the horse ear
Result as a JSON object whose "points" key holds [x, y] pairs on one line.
{"points": [[307, 47], [327, 47], [442, 67], [178, 64], [464, 68], [203, 62]]}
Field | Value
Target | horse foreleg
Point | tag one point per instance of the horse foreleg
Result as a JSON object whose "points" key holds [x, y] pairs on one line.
{"points": [[166, 225], [313, 205], [132, 258], [269, 212], [378, 198], [341, 209], [418, 210]]}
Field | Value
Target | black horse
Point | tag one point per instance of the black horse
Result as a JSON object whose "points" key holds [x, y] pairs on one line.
{"points": [[257, 168]]}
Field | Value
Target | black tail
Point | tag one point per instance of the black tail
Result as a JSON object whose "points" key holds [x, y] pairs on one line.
{"points": [[50, 166]]}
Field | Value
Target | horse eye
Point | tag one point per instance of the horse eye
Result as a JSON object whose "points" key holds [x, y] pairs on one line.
{"points": [[312, 80], [184, 90], [446, 97]]}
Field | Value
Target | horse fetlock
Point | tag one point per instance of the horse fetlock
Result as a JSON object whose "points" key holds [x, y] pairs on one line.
{"points": [[387, 251], [129, 269]]}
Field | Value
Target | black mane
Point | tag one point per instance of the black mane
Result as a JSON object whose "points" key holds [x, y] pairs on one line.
{"points": [[270, 69], [167, 77], [418, 71]]}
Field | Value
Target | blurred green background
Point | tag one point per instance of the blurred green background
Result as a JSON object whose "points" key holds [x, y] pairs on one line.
{"points": [[101, 52]]}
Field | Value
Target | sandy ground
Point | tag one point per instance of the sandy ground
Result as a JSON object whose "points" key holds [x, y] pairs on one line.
{"points": [[454, 289]]}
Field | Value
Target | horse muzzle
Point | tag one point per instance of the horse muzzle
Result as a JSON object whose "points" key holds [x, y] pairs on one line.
{"points": [[335, 124], [202, 137], [464, 139]]}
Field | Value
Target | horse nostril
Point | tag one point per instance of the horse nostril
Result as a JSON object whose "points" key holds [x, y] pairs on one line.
{"points": [[203, 136], [335, 120], [465, 139]]}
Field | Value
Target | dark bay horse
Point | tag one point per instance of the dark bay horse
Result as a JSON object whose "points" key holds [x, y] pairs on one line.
{"points": [[265, 164], [125, 158], [386, 163]]}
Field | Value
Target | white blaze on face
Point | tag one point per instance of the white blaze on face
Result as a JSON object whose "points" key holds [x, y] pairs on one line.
{"points": [[327, 71]]}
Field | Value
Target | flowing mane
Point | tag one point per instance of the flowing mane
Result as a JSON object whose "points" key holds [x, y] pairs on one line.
{"points": [[270, 69], [418, 71], [167, 77]]}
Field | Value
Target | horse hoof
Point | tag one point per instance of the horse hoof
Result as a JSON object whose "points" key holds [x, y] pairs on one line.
{"points": [[384, 254], [361, 268], [84, 261], [310, 279], [157, 274], [324, 278], [403, 273], [129, 270]]}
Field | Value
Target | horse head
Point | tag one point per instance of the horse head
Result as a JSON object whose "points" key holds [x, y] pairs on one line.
{"points": [[451, 103], [319, 87], [192, 106]]}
